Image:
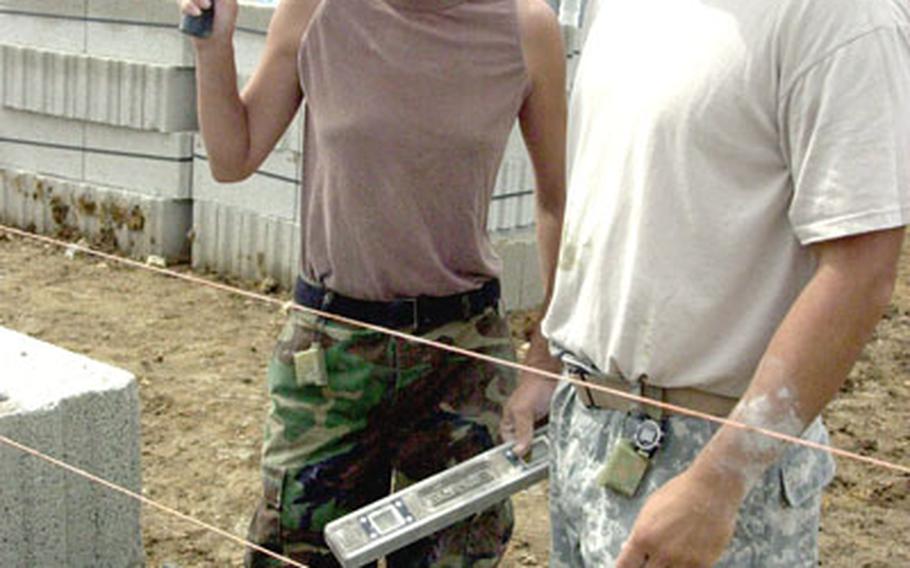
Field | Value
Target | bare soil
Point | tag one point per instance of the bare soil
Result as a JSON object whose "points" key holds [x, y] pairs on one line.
{"points": [[199, 357]]}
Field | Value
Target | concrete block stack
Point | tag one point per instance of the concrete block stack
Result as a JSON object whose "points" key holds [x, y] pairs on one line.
{"points": [[84, 413], [513, 199], [97, 113]]}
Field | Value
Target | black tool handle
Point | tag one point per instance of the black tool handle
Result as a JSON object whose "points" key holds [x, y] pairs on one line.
{"points": [[199, 26]]}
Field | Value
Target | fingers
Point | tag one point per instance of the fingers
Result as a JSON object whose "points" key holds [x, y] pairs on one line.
{"points": [[529, 402], [632, 556], [524, 431], [507, 430], [194, 7]]}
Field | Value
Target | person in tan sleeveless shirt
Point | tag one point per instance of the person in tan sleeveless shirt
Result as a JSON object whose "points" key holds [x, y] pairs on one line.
{"points": [[409, 105]]}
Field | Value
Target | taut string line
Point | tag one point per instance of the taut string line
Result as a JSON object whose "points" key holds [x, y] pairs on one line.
{"points": [[884, 464]]}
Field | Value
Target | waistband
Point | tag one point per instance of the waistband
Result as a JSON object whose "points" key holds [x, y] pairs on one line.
{"points": [[420, 314], [685, 397]]}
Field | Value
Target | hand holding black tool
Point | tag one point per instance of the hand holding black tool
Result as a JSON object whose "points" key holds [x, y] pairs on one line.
{"points": [[199, 26]]}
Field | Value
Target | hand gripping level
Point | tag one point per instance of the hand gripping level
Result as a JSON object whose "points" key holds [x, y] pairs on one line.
{"points": [[435, 503]]}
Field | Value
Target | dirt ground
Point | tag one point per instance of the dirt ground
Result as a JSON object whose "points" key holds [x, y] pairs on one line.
{"points": [[199, 356]]}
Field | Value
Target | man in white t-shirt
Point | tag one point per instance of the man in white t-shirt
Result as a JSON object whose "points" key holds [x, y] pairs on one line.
{"points": [[738, 186]]}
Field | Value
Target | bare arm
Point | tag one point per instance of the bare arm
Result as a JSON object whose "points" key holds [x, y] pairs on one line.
{"points": [[812, 352], [690, 520], [240, 130], [543, 125]]}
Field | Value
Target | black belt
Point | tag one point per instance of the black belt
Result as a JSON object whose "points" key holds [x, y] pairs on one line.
{"points": [[420, 314]]}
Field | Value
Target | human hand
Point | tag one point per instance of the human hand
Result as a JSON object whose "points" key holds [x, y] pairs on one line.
{"points": [[224, 23], [529, 403], [687, 523], [531, 400]]}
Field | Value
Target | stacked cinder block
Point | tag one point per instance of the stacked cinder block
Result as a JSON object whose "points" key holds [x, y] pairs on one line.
{"points": [[513, 199], [97, 100], [86, 414]]}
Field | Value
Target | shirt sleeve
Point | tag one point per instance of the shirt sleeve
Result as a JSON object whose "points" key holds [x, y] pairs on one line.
{"points": [[845, 128]]}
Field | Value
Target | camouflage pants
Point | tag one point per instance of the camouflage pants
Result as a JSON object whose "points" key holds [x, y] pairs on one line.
{"points": [[777, 525], [354, 413]]}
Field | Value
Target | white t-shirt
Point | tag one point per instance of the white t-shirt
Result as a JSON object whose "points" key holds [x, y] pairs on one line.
{"points": [[710, 141]]}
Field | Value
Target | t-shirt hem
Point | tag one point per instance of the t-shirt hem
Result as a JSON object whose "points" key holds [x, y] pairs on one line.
{"points": [[857, 224]]}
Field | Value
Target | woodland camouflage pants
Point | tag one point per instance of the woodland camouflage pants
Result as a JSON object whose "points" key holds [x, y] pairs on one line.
{"points": [[354, 413]]}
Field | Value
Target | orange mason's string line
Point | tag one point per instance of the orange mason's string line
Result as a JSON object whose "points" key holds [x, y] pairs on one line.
{"points": [[884, 464], [145, 500]]}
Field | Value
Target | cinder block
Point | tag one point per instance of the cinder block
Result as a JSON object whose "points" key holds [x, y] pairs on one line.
{"points": [[249, 42], [151, 163], [511, 211], [255, 15], [248, 48], [512, 271], [109, 91], [142, 96], [62, 8], [241, 243], [522, 286], [137, 225], [513, 200], [137, 30], [532, 283], [87, 414], [272, 191], [43, 81], [49, 24], [44, 144]]}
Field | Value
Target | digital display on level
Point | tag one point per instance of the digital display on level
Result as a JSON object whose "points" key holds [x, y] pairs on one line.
{"points": [[386, 520], [399, 520]]}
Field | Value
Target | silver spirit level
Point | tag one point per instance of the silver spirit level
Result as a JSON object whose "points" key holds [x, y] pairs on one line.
{"points": [[435, 503]]}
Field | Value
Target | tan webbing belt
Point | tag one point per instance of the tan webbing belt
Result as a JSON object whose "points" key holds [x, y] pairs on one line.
{"points": [[693, 399]]}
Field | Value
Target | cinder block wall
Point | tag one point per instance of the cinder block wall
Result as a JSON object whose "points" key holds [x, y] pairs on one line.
{"points": [[97, 139], [86, 414], [97, 121]]}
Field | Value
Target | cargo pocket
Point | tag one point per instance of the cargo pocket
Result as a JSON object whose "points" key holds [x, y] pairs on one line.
{"points": [[309, 367], [804, 472], [299, 349]]}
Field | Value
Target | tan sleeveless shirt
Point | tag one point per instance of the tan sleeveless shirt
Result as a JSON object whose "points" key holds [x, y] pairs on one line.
{"points": [[409, 104]]}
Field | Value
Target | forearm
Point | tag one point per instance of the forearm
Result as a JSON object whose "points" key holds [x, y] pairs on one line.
{"points": [[531, 399], [222, 115], [804, 366], [549, 231]]}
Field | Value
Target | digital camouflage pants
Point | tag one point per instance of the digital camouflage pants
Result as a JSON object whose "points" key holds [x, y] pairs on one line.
{"points": [[777, 526], [354, 413]]}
